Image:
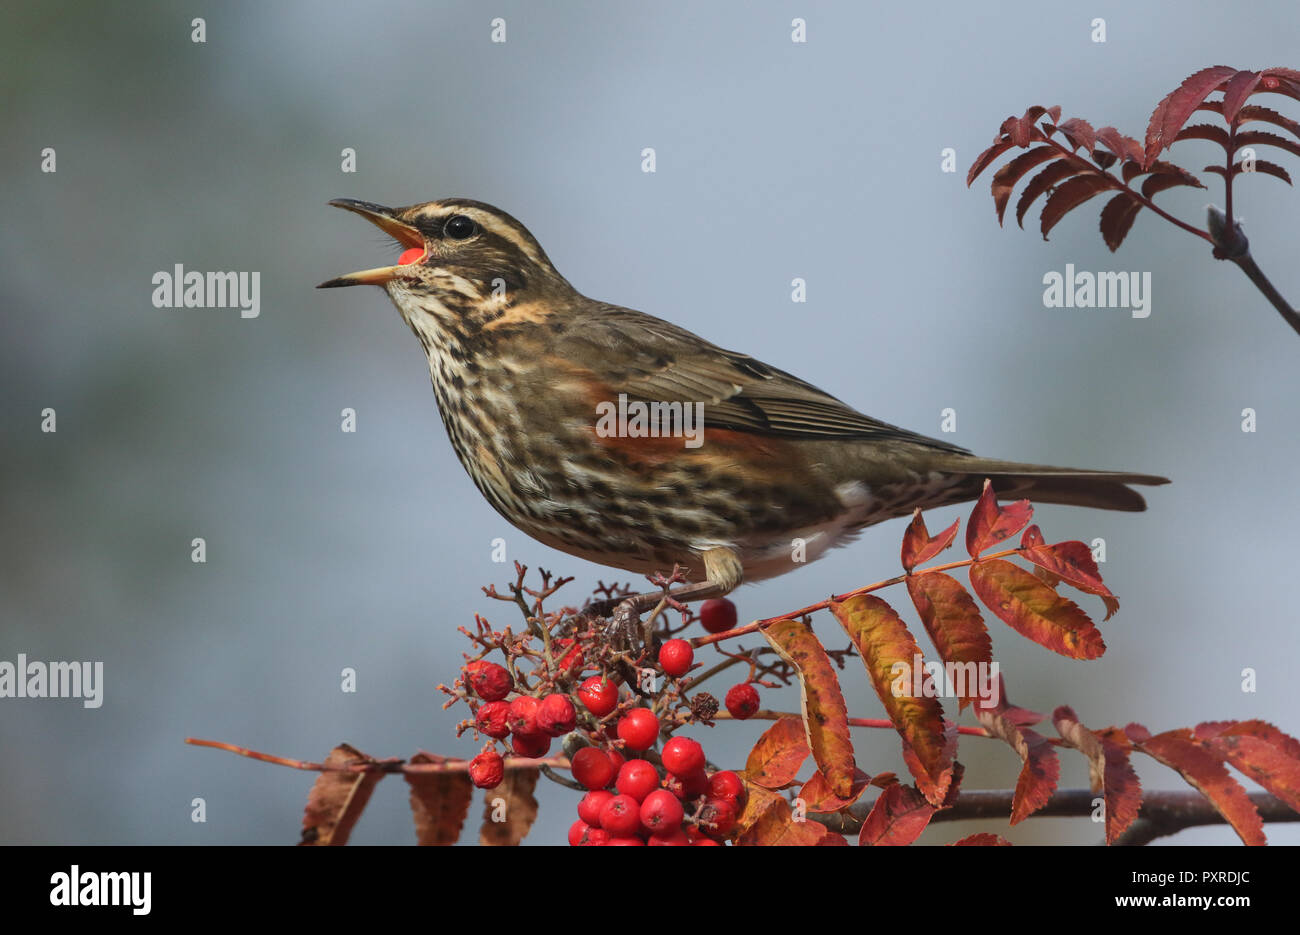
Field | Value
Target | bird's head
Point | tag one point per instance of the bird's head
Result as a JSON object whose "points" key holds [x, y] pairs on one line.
{"points": [[463, 260]]}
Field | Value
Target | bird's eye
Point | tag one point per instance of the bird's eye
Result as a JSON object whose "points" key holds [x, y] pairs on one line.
{"points": [[459, 227]]}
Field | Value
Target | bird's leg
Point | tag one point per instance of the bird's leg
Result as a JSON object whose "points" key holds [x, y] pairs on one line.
{"points": [[723, 573]]}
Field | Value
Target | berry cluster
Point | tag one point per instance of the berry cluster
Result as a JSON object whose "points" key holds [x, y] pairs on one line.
{"points": [[637, 794]]}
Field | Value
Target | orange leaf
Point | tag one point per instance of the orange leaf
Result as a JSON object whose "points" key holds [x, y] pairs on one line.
{"points": [[888, 649], [918, 547], [1108, 765], [337, 798], [941, 792], [773, 825], [1035, 611], [1204, 770], [898, 817], [955, 625], [989, 523], [775, 760], [1042, 770], [818, 797], [1259, 750], [982, 839], [439, 803], [510, 809], [825, 716]]}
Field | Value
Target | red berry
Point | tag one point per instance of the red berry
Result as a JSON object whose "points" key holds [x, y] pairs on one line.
{"points": [[718, 614], [742, 701], [617, 758], [639, 729], [705, 842], [596, 837], [571, 659], [598, 695], [492, 719], [675, 838], [626, 842], [591, 804], [410, 256], [487, 770], [556, 715], [726, 784], [675, 658], [719, 814], [533, 746], [592, 768], [523, 715], [682, 755], [621, 816], [488, 680], [661, 811], [578, 832], [691, 786], [637, 778]]}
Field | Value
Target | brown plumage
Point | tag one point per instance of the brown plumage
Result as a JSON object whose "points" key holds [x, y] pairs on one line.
{"points": [[522, 365]]}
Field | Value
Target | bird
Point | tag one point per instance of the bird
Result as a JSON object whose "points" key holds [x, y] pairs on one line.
{"points": [[745, 473]]}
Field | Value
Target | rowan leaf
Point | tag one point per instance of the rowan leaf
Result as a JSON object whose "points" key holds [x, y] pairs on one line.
{"points": [[1109, 768], [337, 798], [1041, 770], [1124, 147], [1043, 181], [819, 797], [512, 801], [1260, 751], [1204, 771], [1178, 105], [1073, 563], [1261, 166], [772, 824], [1005, 179], [1117, 218], [919, 546], [889, 654], [897, 818], [941, 791], [1240, 86], [1265, 138], [982, 839], [1069, 195], [1035, 611], [955, 625], [989, 523], [1253, 112], [777, 757], [439, 803], [1205, 131], [825, 716], [1079, 133]]}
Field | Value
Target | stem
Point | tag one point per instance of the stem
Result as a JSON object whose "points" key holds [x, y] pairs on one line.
{"points": [[1256, 275]]}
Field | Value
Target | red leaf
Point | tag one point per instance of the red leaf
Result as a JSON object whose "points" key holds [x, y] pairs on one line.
{"points": [[918, 546], [898, 817], [776, 758], [1111, 772], [1069, 195], [768, 821], [337, 798], [1048, 178], [955, 625], [1264, 138], [1253, 112], [1035, 611], [1240, 86], [941, 791], [982, 839], [984, 159], [1073, 562], [1117, 218], [1005, 179], [1124, 147], [818, 796], [1206, 773], [1166, 175], [1042, 770], [1204, 131], [989, 523], [439, 803], [1079, 133], [1260, 751], [1178, 105], [1261, 166]]}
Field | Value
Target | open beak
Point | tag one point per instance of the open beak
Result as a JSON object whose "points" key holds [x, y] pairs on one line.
{"points": [[385, 220]]}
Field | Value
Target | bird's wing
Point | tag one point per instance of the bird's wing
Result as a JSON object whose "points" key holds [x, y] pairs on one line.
{"points": [[656, 361]]}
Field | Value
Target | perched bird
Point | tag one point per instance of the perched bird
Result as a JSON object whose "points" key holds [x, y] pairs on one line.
{"points": [[533, 378]]}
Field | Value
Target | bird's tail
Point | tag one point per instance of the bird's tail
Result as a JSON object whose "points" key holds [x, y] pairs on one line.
{"points": [[1102, 490]]}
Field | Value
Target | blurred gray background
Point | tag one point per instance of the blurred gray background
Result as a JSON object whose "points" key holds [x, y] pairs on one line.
{"points": [[775, 160]]}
